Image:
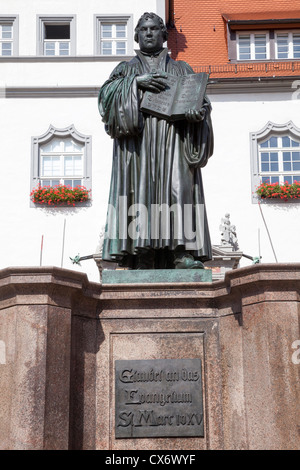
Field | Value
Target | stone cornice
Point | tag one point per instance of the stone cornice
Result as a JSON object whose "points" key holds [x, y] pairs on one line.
{"points": [[215, 87], [71, 289]]}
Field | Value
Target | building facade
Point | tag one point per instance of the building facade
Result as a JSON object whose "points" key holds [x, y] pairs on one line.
{"points": [[54, 56]]}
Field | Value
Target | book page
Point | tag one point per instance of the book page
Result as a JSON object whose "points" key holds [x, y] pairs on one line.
{"points": [[190, 94], [161, 103]]}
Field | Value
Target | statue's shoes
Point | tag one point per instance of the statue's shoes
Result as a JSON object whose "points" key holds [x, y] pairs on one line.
{"points": [[187, 262]]}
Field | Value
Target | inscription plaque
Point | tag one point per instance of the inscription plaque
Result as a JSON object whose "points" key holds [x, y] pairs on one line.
{"points": [[158, 398]]}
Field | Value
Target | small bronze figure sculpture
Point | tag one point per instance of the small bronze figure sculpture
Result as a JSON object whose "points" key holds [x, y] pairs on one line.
{"points": [[158, 219]]}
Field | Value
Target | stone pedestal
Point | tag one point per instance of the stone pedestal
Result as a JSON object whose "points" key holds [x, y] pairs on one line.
{"points": [[61, 335]]}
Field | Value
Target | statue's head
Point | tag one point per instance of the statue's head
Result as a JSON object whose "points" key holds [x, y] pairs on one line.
{"points": [[150, 32]]}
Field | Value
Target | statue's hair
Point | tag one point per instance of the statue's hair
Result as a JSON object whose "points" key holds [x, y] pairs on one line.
{"points": [[146, 16]]}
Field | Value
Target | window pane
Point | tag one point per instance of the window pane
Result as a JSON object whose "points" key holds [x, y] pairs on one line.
{"points": [[6, 49], [264, 144], [270, 179], [265, 167], [274, 179], [244, 48], [283, 46], [260, 43], [50, 166], [288, 179], [287, 166], [107, 48], [49, 48], [73, 183], [46, 183], [296, 45], [63, 48], [53, 146], [55, 182], [296, 166], [55, 166], [274, 166], [295, 144], [286, 141], [68, 170], [6, 32], [274, 157], [55, 31], [121, 30], [77, 161], [264, 157], [73, 166], [46, 167], [121, 48], [106, 31], [286, 156], [273, 142], [295, 156], [72, 146]]}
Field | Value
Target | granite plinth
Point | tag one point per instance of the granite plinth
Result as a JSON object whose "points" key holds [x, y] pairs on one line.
{"points": [[61, 337], [156, 276]]}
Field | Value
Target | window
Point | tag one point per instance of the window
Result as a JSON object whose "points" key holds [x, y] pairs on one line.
{"points": [[61, 162], [275, 153], [8, 36], [113, 38], [288, 45], [56, 36], [279, 158], [253, 46], [61, 156], [57, 39], [263, 45], [114, 35]]}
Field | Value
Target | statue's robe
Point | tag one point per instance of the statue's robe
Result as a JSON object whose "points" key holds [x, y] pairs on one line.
{"points": [[155, 162]]}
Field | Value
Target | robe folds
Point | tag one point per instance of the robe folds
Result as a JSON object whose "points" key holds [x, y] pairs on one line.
{"points": [[156, 200]]}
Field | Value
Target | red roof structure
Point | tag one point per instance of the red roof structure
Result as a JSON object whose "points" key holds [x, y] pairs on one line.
{"points": [[200, 32]]}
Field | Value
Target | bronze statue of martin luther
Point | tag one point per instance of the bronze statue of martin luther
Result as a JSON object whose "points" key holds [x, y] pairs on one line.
{"points": [[159, 219]]}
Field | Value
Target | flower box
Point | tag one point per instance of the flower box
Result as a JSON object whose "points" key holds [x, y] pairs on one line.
{"points": [[278, 191], [59, 195]]}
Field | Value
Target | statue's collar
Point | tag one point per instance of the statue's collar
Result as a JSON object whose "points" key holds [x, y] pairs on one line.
{"points": [[162, 52], [161, 56], [152, 54]]}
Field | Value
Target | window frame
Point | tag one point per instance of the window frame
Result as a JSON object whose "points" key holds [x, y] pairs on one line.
{"points": [[252, 35], [113, 19], [52, 132], [256, 138], [290, 34], [43, 20], [11, 20]]}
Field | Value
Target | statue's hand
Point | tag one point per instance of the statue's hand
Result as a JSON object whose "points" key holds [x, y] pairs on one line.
{"points": [[195, 116], [152, 82]]}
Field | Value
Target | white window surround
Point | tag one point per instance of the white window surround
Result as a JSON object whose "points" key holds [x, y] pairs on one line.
{"points": [[113, 20], [253, 47], [53, 132], [11, 20], [290, 34], [43, 20], [270, 129]]}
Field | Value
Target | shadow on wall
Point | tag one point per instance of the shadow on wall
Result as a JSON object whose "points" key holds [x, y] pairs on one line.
{"points": [[178, 42]]}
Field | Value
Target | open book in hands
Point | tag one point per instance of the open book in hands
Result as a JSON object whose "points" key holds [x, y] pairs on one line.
{"points": [[181, 94]]}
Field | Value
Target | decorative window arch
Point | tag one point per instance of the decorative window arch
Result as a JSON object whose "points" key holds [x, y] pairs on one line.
{"points": [[61, 156], [275, 155]]}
